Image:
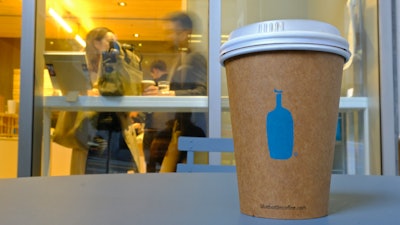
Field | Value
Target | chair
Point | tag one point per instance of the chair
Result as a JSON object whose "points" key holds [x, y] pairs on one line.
{"points": [[201, 144]]}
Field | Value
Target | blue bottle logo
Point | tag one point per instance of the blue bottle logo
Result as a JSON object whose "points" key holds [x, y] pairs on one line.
{"points": [[280, 130]]}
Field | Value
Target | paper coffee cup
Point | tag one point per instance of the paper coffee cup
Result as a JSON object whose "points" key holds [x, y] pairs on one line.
{"points": [[11, 106], [147, 83], [163, 87], [284, 81]]}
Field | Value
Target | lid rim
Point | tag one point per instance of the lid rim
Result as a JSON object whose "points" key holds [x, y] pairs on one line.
{"points": [[288, 36], [295, 47], [271, 35]]}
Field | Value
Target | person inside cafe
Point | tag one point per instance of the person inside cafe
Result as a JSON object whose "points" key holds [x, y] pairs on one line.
{"points": [[188, 75], [158, 125], [114, 146]]}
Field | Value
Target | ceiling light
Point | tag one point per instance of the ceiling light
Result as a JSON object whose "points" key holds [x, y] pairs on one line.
{"points": [[80, 40], [60, 20], [122, 4], [196, 35]]}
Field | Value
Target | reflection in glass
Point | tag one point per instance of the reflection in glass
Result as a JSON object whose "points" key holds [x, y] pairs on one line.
{"points": [[142, 26]]}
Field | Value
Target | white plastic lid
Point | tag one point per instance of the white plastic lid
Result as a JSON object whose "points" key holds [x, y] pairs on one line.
{"points": [[278, 35]]}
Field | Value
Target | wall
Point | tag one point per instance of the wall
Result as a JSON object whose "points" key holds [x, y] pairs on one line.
{"points": [[8, 157], [9, 60]]}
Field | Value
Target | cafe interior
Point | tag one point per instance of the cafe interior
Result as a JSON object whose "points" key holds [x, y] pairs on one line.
{"points": [[368, 120]]}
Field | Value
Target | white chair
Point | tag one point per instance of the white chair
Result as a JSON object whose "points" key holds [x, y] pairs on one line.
{"points": [[202, 144]]}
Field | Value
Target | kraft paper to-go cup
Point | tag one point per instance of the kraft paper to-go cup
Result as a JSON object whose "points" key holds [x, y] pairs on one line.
{"points": [[146, 83], [284, 81]]}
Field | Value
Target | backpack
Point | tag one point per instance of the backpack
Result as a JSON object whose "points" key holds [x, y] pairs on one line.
{"points": [[121, 72]]}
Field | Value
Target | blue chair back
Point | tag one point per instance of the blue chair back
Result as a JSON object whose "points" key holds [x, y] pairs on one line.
{"points": [[202, 144]]}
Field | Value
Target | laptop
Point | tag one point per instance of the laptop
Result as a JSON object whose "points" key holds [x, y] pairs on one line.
{"points": [[68, 72]]}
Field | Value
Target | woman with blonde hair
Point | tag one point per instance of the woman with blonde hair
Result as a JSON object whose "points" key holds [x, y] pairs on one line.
{"points": [[114, 148]]}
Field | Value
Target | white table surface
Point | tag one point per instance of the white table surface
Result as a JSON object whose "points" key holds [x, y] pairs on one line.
{"points": [[179, 199]]}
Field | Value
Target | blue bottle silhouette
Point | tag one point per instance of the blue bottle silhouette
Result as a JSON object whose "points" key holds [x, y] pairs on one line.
{"points": [[280, 130]]}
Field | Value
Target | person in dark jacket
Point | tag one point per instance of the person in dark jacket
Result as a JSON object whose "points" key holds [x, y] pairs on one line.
{"points": [[158, 125], [188, 75]]}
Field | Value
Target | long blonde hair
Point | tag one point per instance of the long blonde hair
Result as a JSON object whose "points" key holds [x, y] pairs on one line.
{"points": [[92, 54]]}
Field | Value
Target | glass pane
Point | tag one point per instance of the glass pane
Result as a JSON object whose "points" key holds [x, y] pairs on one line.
{"points": [[10, 38], [123, 130], [357, 22]]}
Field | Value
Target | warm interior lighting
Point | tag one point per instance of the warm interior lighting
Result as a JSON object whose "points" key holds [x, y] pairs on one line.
{"points": [[64, 24], [121, 3], [136, 35], [196, 35], [80, 40], [60, 20], [224, 38]]}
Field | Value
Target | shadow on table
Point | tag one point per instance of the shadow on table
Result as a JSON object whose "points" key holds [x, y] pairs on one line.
{"points": [[339, 202]]}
